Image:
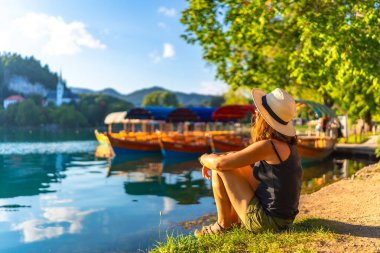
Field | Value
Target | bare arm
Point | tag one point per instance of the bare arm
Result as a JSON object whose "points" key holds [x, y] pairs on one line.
{"points": [[261, 150]]}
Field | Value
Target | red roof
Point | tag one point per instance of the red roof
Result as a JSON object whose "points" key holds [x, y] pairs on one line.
{"points": [[232, 112], [15, 98]]}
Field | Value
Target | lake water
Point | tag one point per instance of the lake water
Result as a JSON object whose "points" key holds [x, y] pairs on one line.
{"points": [[57, 196]]}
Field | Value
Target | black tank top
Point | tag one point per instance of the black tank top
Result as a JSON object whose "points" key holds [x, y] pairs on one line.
{"points": [[280, 185]]}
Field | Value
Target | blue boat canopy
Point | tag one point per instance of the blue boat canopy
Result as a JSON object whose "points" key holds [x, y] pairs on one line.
{"points": [[139, 113], [320, 109], [158, 112], [204, 113]]}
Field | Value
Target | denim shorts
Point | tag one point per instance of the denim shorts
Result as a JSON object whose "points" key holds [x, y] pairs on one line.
{"points": [[256, 220]]}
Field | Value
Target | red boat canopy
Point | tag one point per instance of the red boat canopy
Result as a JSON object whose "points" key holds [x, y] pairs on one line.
{"points": [[182, 115], [232, 112]]}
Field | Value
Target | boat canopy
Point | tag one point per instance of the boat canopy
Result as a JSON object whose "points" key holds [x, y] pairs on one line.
{"points": [[182, 115], [139, 113], [204, 113], [159, 113], [319, 109], [115, 118], [232, 112]]}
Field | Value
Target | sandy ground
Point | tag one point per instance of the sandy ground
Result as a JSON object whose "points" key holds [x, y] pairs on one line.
{"points": [[351, 207]]}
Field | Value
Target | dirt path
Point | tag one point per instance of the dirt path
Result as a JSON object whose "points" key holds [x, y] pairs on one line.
{"points": [[351, 208]]}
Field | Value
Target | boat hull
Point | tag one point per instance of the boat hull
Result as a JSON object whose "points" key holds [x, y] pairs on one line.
{"points": [[125, 146], [315, 149], [175, 148], [225, 146]]}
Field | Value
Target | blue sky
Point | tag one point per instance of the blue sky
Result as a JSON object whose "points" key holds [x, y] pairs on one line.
{"points": [[122, 44]]}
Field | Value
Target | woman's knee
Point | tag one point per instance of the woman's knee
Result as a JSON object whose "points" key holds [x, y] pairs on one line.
{"points": [[226, 173]]}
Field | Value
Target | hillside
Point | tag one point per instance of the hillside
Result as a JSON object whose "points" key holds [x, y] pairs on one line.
{"points": [[25, 75], [137, 96]]}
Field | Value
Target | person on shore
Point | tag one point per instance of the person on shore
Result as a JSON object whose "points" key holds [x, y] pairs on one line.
{"points": [[261, 184]]}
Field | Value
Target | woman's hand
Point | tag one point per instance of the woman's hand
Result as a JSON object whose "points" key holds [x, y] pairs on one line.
{"points": [[206, 172], [208, 160]]}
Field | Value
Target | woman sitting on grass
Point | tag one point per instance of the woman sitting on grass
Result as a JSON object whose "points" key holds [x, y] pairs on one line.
{"points": [[260, 184]]}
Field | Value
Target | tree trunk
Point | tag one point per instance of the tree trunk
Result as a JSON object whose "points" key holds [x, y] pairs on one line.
{"points": [[327, 100], [368, 120]]}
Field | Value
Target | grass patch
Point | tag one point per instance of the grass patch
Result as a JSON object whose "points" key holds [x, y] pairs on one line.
{"points": [[303, 236]]}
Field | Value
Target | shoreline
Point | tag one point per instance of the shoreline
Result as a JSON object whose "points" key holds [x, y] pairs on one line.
{"points": [[349, 208]]}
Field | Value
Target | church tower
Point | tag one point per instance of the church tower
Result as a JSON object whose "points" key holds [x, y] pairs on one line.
{"points": [[60, 90]]}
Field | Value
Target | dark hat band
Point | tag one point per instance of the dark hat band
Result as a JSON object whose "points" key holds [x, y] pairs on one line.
{"points": [[272, 113]]}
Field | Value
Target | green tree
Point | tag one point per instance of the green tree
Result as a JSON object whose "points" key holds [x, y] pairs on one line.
{"points": [[161, 98], [169, 99], [28, 113], [29, 68], [328, 47], [216, 101], [67, 116], [96, 107], [239, 96]]}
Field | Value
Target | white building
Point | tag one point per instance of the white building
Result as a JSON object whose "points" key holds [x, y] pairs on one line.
{"points": [[12, 100], [60, 95]]}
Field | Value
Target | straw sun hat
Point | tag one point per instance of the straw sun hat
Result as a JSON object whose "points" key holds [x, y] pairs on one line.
{"points": [[278, 108]]}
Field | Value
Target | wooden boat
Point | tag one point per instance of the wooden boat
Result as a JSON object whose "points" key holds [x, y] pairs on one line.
{"points": [[126, 145], [102, 138], [138, 134], [184, 142], [313, 148], [226, 143], [184, 146]]}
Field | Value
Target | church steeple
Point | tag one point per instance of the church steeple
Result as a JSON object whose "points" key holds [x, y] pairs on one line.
{"points": [[60, 90]]}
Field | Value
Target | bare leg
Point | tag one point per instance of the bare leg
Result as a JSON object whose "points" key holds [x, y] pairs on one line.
{"points": [[226, 211], [239, 186], [226, 215]]}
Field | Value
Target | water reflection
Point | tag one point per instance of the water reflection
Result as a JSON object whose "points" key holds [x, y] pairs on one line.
{"points": [[55, 222], [320, 174], [48, 201], [154, 175], [151, 175], [30, 175]]}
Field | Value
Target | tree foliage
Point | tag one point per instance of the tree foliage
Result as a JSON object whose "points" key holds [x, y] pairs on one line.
{"points": [[96, 107], [239, 96], [12, 64], [91, 111], [328, 47], [161, 98]]}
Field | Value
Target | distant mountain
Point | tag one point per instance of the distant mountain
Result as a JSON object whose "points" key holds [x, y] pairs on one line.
{"points": [[137, 96], [81, 90]]}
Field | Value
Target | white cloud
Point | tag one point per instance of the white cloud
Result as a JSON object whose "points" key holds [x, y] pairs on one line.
{"points": [[169, 205], [213, 88], [38, 33], [168, 51], [155, 57], [162, 25], [51, 224], [168, 12]]}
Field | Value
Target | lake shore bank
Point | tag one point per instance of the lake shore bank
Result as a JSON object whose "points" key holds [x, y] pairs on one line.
{"points": [[348, 210], [351, 208]]}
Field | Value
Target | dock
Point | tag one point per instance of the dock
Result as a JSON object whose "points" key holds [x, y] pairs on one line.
{"points": [[367, 148]]}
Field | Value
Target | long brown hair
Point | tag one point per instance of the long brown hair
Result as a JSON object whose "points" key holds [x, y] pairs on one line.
{"points": [[261, 130]]}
